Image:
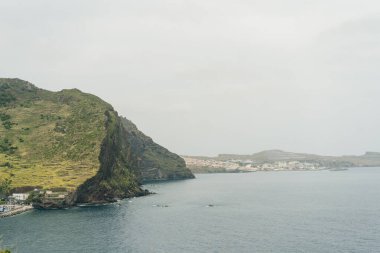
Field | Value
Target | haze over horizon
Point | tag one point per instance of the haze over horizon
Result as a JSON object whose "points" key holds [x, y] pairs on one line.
{"points": [[211, 77]]}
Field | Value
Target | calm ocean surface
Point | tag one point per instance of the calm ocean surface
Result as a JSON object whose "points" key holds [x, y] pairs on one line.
{"points": [[257, 212]]}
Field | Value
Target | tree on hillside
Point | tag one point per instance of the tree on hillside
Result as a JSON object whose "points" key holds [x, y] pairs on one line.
{"points": [[5, 187]]}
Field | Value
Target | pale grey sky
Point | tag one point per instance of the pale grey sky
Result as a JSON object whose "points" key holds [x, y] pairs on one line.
{"points": [[207, 77]]}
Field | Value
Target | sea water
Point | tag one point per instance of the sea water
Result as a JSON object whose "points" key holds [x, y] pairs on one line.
{"points": [[322, 211]]}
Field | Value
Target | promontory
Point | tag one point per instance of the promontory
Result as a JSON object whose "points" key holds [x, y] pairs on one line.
{"points": [[77, 145]]}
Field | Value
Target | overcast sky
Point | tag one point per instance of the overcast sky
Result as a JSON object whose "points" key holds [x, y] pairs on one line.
{"points": [[207, 77]]}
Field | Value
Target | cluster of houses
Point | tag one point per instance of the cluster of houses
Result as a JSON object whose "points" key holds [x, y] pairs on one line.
{"points": [[18, 199], [211, 163], [14, 202], [251, 166], [15, 199], [283, 166]]}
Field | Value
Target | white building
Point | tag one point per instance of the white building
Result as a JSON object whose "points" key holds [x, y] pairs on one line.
{"points": [[20, 196]]}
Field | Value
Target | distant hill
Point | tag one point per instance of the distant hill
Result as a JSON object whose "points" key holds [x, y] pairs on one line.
{"points": [[237, 163], [368, 159], [268, 155], [76, 141]]}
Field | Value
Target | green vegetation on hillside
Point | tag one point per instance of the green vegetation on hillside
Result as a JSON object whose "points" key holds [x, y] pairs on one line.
{"points": [[6, 97], [5, 187], [49, 139], [77, 142]]}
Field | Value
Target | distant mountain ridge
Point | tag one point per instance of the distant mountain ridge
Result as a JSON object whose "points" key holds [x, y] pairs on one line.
{"points": [[275, 160], [368, 159]]}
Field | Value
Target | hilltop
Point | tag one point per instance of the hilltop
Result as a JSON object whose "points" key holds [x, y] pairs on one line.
{"points": [[75, 141]]}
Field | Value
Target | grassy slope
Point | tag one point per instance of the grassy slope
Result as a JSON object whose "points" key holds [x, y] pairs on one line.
{"points": [[75, 140], [57, 135]]}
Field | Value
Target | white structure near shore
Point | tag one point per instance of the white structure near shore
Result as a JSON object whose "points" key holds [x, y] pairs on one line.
{"points": [[20, 196]]}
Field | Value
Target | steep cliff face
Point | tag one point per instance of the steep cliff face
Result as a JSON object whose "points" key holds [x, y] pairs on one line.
{"points": [[150, 160], [128, 158], [76, 141], [115, 178]]}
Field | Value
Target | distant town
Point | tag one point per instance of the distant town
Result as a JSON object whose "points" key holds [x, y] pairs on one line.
{"points": [[200, 165], [277, 160]]}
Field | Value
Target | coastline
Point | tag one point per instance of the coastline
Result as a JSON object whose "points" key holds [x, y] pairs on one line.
{"points": [[17, 210]]}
